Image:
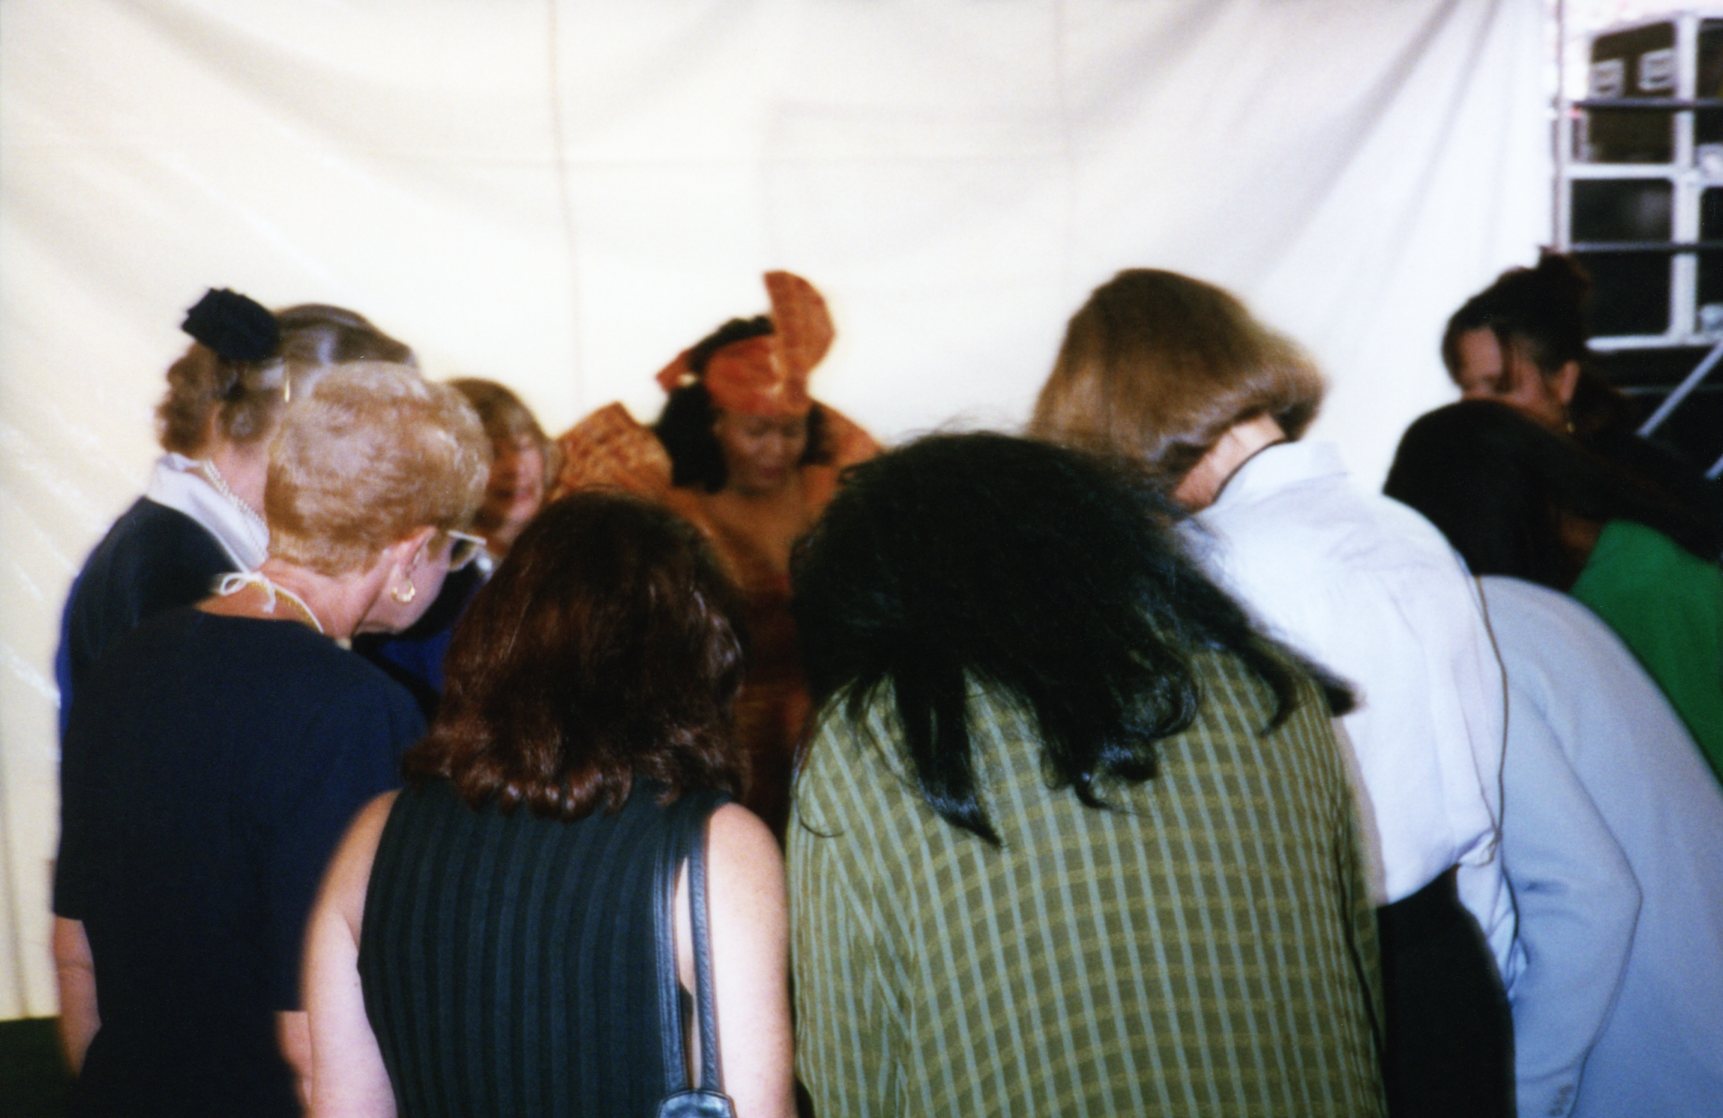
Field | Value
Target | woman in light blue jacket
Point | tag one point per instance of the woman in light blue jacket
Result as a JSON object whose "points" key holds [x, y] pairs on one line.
{"points": [[1611, 827]]}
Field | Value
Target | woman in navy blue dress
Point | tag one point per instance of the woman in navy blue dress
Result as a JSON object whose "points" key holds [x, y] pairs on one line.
{"points": [[202, 513], [216, 753]]}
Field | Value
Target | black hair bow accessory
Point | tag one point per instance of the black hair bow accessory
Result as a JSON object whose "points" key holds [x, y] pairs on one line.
{"points": [[234, 326]]}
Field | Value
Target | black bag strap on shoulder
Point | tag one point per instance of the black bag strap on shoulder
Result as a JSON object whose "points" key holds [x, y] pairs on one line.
{"points": [[700, 919], [688, 842]]}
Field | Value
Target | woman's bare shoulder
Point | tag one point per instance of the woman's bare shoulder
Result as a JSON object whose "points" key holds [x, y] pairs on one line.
{"points": [[738, 838], [350, 870]]}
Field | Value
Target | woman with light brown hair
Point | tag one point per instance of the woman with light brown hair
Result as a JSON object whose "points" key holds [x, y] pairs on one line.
{"points": [[216, 753], [1162, 368], [202, 514], [1178, 374], [523, 462]]}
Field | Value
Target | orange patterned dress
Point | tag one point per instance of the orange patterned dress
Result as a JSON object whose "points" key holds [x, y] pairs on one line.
{"points": [[609, 448]]}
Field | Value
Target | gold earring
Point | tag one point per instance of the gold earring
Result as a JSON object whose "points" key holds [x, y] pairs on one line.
{"points": [[407, 595]]}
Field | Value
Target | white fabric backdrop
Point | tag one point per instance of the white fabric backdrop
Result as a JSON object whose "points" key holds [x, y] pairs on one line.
{"points": [[562, 195]]}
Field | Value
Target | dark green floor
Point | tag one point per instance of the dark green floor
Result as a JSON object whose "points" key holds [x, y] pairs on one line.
{"points": [[32, 1076]]}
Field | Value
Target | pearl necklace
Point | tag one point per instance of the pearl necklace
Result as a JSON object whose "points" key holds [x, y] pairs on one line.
{"points": [[255, 525], [239, 580]]}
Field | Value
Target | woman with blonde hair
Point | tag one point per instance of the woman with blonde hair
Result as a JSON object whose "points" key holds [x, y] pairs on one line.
{"points": [[216, 753], [1178, 374], [202, 514], [523, 460]]}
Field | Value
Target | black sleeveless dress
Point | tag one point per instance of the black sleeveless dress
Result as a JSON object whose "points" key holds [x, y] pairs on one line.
{"points": [[509, 963]]}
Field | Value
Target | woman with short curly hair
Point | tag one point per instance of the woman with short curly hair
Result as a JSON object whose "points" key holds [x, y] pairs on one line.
{"points": [[522, 462]]}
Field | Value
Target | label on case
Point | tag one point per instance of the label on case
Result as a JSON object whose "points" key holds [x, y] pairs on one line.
{"points": [[1656, 70], [1608, 78]]}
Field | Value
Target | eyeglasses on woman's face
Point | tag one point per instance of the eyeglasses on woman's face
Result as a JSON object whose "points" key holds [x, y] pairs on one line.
{"points": [[464, 547]]}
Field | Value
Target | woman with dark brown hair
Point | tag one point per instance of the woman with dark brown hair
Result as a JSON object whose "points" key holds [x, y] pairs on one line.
{"points": [[485, 939]]}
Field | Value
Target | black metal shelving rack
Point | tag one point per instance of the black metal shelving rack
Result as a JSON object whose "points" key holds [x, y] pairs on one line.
{"points": [[1640, 203]]}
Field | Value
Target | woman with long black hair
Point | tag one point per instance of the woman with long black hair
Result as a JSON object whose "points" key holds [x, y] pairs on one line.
{"points": [[1518, 499], [1070, 838], [1611, 820]]}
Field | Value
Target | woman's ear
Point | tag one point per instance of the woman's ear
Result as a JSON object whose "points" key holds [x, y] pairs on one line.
{"points": [[1565, 381], [409, 550]]}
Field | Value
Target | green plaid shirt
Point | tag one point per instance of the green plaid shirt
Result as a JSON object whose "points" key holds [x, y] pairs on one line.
{"points": [[1205, 949]]}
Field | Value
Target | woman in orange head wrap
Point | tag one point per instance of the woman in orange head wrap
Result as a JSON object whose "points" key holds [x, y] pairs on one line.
{"points": [[745, 453]]}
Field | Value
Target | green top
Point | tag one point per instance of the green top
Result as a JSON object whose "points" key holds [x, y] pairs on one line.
{"points": [[1666, 604], [1207, 948]]}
